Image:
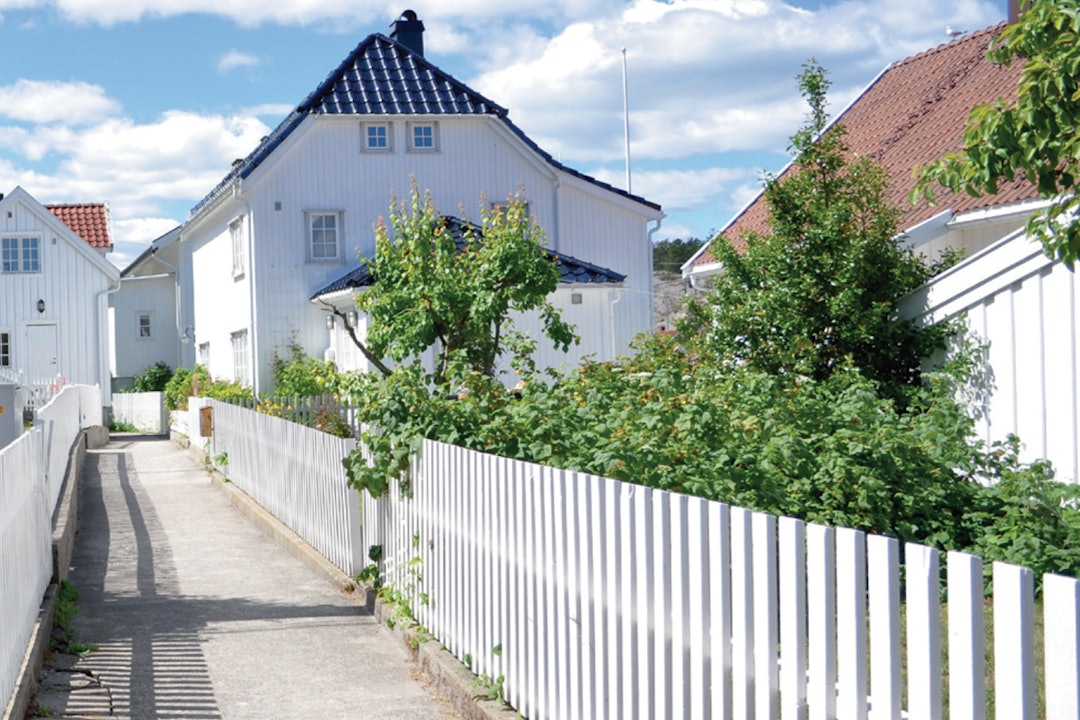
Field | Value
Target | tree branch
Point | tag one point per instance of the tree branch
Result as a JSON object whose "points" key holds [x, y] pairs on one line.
{"points": [[379, 365]]}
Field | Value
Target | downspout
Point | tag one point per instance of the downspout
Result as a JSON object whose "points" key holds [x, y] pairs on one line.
{"points": [[253, 336], [652, 296], [105, 347], [554, 242]]}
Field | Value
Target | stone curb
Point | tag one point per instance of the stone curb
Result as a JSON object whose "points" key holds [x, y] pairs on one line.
{"points": [[455, 682], [65, 523]]}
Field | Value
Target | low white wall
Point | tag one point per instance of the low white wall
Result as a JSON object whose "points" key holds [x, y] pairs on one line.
{"points": [[146, 411]]}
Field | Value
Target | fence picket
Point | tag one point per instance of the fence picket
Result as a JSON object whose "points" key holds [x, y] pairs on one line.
{"points": [[766, 630], [883, 587], [821, 606], [1014, 633], [792, 579], [1061, 601], [923, 580], [967, 656], [696, 606], [719, 572], [742, 615], [851, 623]]}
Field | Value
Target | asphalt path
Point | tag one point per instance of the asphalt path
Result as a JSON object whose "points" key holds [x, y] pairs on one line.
{"points": [[196, 614]]}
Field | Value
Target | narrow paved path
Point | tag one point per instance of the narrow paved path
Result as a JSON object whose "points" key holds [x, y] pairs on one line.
{"points": [[197, 614]]}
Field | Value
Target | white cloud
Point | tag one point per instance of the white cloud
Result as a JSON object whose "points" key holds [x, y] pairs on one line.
{"points": [[681, 189], [66, 103], [142, 170], [235, 59]]}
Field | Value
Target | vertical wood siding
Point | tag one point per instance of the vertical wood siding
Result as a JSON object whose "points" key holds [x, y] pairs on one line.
{"points": [[1024, 308]]}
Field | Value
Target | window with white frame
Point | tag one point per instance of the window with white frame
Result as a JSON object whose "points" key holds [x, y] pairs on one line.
{"points": [[240, 357], [377, 137], [20, 254], [143, 326], [204, 354], [324, 236], [423, 137], [5, 348], [236, 236]]}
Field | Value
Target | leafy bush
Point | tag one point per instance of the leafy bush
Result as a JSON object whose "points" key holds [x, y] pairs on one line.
{"points": [[154, 378], [181, 387], [304, 376]]}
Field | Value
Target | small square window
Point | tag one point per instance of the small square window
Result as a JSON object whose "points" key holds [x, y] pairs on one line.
{"points": [[377, 137], [423, 137]]}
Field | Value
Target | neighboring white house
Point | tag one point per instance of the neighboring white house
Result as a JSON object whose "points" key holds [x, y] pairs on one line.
{"points": [[291, 219], [54, 286], [1021, 303], [150, 317]]}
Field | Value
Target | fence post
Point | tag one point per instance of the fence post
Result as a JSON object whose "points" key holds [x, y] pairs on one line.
{"points": [[1014, 637], [1061, 601], [967, 654]]}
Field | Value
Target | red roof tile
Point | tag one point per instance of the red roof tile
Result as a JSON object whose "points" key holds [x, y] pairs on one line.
{"points": [[913, 114], [90, 221]]}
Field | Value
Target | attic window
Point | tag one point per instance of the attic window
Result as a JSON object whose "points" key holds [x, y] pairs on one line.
{"points": [[20, 254], [377, 137], [423, 137]]}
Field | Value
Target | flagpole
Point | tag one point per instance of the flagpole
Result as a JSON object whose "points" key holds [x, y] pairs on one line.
{"points": [[626, 119]]}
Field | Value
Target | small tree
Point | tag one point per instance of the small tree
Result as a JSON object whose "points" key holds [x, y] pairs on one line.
{"points": [[452, 286], [819, 291], [1035, 137]]}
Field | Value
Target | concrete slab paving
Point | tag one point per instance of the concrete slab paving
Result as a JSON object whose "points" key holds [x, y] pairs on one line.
{"points": [[197, 614]]}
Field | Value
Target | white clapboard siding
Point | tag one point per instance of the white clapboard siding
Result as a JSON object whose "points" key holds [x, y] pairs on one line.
{"points": [[585, 597]]}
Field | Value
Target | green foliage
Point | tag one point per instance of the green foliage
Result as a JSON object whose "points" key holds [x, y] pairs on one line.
{"points": [[154, 378], [183, 382], [819, 292], [123, 426], [304, 376], [431, 292], [669, 255], [1034, 137]]}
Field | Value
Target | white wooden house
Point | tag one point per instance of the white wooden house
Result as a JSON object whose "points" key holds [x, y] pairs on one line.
{"points": [[1021, 304], [54, 286], [293, 217], [150, 316]]}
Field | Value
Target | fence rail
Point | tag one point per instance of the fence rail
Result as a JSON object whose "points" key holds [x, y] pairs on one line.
{"points": [[580, 596]]}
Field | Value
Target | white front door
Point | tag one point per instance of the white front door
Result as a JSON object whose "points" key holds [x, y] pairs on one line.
{"points": [[41, 361]]}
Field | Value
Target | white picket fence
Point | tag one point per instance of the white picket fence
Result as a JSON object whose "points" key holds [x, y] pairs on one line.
{"points": [[587, 597], [295, 472], [31, 475], [144, 410]]}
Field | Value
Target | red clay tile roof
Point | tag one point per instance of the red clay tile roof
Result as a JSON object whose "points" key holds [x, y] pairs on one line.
{"points": [[90, 221], [913, 114]]}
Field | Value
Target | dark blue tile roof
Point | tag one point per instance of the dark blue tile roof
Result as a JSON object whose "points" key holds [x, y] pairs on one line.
{"points": [[571, 269], [382, 77]]}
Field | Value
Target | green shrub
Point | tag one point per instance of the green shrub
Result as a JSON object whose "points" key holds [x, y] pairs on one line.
{"points": [[304, 376], [154, 379], [181, 387]]}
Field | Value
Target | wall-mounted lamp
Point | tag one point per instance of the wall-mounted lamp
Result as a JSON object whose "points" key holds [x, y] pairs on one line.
{"points": [[353, 317], [189, 334], [41, 306], [330, 322]]}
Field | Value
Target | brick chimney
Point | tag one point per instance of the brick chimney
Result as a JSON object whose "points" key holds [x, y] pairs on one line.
{"points": [[407, 30]]}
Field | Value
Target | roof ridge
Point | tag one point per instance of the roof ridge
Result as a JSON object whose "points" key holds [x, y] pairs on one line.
{"points": [[952, 44]]}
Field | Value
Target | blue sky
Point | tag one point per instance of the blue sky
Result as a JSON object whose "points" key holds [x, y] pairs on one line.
{"points": [[144, 103]]}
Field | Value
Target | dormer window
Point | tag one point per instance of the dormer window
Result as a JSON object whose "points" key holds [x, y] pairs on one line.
{"points": [[377, 137], [423, 137]]}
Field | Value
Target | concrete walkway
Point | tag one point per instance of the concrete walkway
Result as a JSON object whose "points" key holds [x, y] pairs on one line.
{"points": [[197, 614]]}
